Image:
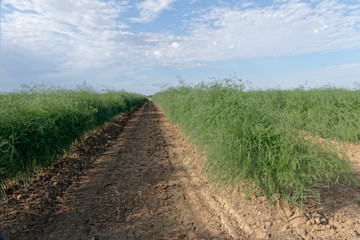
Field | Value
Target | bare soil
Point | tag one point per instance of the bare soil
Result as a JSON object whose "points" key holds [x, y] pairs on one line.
{"points": [[139, 178]]}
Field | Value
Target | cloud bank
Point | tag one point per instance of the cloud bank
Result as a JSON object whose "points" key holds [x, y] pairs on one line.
{"points": [[73, 36]]}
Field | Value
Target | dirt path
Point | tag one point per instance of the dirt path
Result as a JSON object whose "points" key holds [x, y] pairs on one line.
{"points": [[135, 192], [137, 189], [145, 183]]}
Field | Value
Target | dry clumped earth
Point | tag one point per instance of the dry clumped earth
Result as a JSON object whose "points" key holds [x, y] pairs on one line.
{"points": [[139, 178]]}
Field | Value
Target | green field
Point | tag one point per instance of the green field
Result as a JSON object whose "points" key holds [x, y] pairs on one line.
{"points": [[38, 124], [261, 138]]}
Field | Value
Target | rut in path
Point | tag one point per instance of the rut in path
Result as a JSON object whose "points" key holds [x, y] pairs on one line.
{"points": [[138, 189]]}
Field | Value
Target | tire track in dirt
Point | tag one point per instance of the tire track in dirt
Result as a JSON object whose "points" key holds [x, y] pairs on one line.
{"points": [[137, 189]]}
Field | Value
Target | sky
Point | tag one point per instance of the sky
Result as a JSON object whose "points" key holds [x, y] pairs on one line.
{"points": [[145, 46]]}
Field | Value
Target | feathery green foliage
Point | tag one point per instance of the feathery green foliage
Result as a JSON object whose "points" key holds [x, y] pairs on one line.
{"points": [[261, 138], [39, 123]]}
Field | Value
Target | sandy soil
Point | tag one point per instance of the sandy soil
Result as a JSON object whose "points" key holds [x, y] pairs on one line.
{"points": [[143, 181]]}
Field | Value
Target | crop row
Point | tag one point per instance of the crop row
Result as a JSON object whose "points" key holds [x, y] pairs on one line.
{"points": [[261, 138], [38, 124]]}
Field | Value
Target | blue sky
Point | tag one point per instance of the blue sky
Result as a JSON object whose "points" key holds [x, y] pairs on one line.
{"points": [[144, 45]]}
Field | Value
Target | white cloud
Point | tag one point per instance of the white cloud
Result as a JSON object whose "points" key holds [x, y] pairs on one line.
{"points": [[85, 16], [88, 33], [150, 9], [94, 34], [175, 45], [285, 29], [81, 33], [157, 53]]}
